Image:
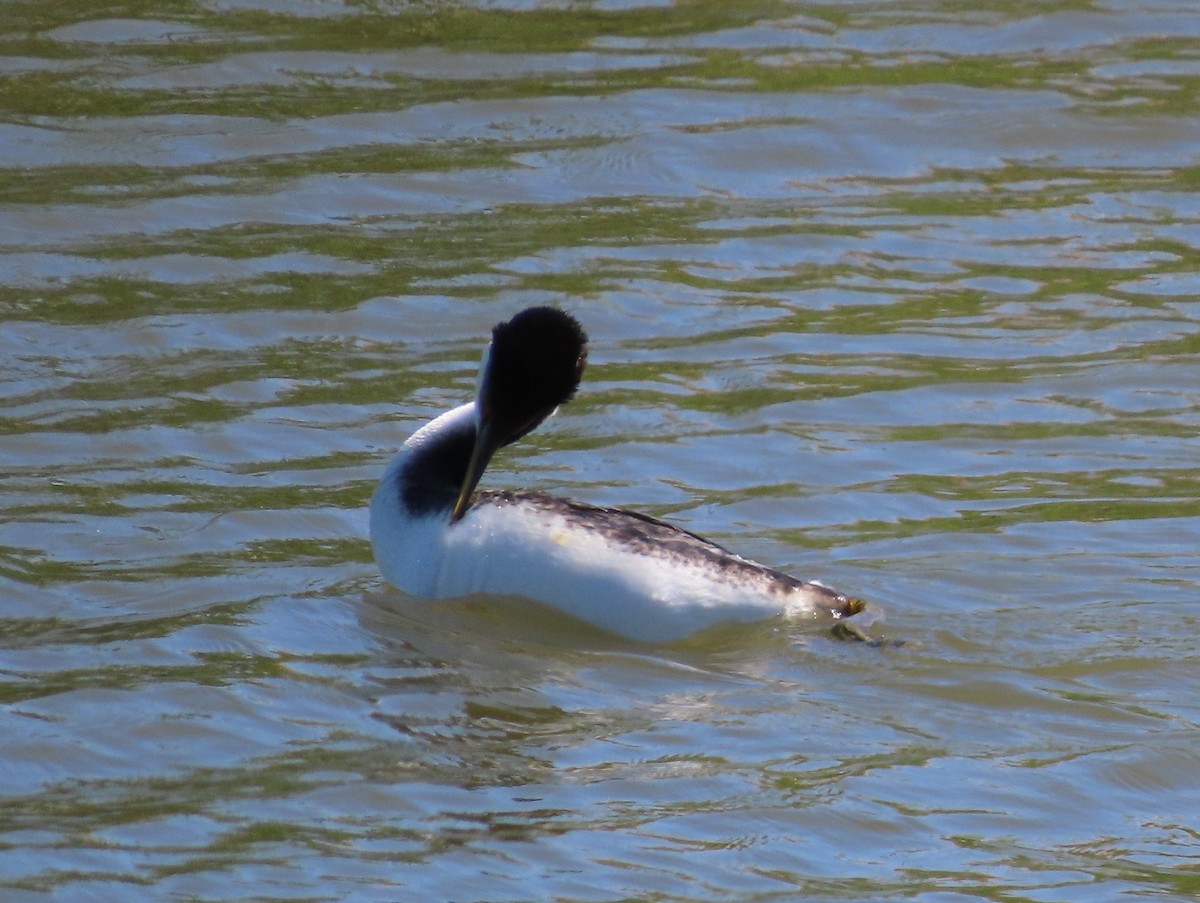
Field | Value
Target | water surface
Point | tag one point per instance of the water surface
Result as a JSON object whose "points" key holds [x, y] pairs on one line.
{"points": [[902, 296]]}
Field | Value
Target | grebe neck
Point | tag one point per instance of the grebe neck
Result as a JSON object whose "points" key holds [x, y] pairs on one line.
{"points": [[432, 465]]}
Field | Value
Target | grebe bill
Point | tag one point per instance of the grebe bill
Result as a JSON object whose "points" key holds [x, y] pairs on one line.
{"points": [[435, 537]]}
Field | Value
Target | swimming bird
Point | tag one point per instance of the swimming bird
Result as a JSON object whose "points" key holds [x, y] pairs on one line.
{"points": [[435, 537]]}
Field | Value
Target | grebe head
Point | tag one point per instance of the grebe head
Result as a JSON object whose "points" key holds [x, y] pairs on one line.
{"points": [[533, 365]]}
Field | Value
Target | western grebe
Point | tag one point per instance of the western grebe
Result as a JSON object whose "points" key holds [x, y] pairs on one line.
{"points": [[435, 537]]}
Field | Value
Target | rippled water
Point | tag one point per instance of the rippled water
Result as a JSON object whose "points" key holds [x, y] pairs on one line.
{"points": [[900, 295]]}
